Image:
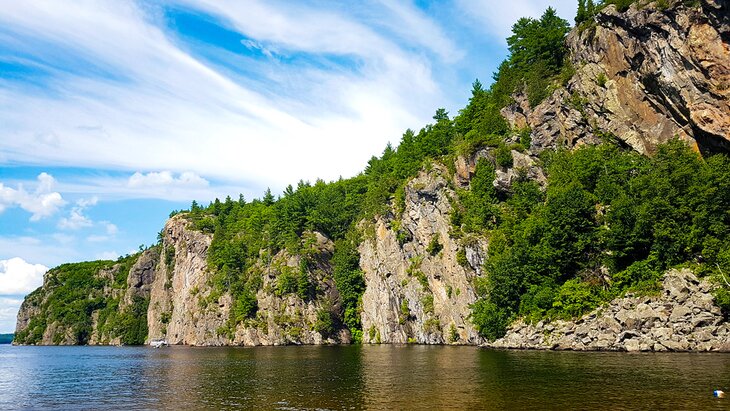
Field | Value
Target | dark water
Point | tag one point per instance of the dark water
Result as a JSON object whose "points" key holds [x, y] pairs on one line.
{"points": [[355, 377]]}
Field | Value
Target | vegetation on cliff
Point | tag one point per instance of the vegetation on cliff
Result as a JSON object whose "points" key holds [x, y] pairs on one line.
{"points": [[607, 221], [610, 221], [73, 292]]}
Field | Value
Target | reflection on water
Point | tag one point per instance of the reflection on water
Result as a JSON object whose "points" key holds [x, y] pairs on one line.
{"points": [[355, 377]]}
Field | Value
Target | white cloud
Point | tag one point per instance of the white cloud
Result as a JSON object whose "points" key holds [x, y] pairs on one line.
{"points": [[75, 220], [410, 22], [19, 277], [87, 202], [41, 203], [111, 229], [62, 238], [8, 314], [165, 179]]}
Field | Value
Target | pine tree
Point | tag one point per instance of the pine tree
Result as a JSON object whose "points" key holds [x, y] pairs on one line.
{"points": [[580, 16], [268, 197], [591, 10]]}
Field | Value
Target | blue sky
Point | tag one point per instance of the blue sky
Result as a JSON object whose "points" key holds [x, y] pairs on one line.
{"points": [[113, 113]]}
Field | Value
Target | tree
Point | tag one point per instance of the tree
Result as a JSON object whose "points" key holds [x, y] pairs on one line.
{"points": [[268, 197], [591, 10], [580, 16]]}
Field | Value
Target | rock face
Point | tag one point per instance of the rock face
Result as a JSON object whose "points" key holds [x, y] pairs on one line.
{"points": [[417, 290], [646, 75], [682, 318], [185, 309]]}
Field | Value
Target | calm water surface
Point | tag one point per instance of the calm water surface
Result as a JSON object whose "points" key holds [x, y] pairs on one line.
{"points": [[355, 377]]}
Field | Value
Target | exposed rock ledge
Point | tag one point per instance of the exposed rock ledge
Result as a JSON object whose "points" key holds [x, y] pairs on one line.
{"points": [[682, 318]]}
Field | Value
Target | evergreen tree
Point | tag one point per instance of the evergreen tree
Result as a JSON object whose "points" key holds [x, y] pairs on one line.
{"points": [[268, 197], [580, 16], [591, 10]]}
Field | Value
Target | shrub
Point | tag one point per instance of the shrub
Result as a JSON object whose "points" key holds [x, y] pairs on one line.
{"points": [[434, 246]]}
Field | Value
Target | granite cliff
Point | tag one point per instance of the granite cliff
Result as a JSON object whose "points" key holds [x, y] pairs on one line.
{"points": [[646, 75], [642, 77]]}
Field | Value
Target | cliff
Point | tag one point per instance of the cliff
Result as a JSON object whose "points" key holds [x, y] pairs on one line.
{"points": [[646, 75], [417, 291], [419, 247]]}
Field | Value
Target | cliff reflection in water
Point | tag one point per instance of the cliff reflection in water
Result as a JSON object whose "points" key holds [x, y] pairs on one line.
{"points": [[355, 377]]}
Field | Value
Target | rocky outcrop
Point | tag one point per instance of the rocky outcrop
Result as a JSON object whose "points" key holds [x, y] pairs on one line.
{"points": [[174, 312], [646, 75], [116, 287], [186, 308], [524, 166], [682, 318], [418, 289]]}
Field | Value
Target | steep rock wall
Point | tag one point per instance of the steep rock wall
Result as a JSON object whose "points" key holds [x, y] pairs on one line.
{"points": [[186, 309], [413, 293]]}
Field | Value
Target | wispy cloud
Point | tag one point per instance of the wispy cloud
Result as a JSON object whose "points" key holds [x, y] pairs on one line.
{"points": [[166, 179], [132, 110]]}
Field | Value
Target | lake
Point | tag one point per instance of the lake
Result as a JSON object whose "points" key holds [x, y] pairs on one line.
{"points": [[356, 377]]}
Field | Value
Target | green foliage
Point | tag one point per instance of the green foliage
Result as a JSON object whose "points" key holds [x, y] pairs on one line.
{"points": [[575, 298], [639, 277], [461, 258], [489, 320], [453, 335], [480, 203], [434, 246], [244, 306], [621, 5], [633, 215], [427, 302], [537, 57], [73, 293], [581, 14], [503, 156], [405, 312], [349, 280], [133, 322], [286, 282], [586, 10], [325, 323]]}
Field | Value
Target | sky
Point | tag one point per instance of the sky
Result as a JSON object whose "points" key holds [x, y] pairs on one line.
{"points": [[114, 113]]}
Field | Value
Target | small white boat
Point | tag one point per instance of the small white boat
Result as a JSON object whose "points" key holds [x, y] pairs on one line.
{"points": [[159, 343]]}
